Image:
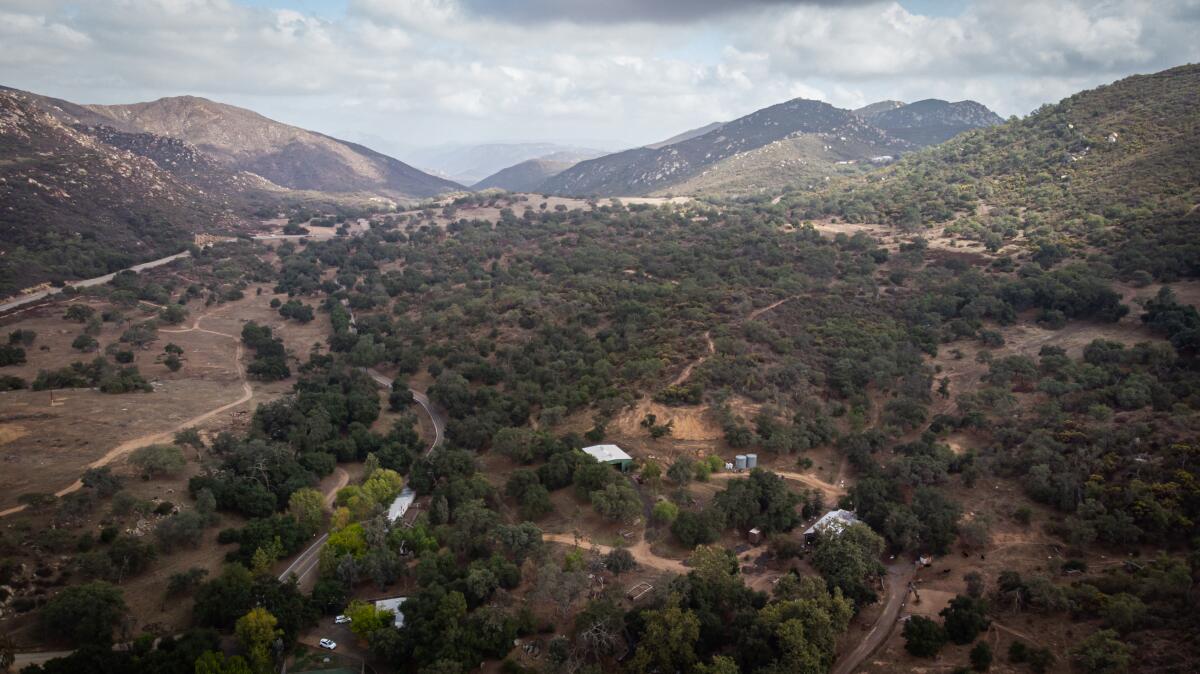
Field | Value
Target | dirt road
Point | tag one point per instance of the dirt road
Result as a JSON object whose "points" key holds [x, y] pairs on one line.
{"points": [[435, 416], [831, 491], [687, 371], [640, 551], [896, 593]]}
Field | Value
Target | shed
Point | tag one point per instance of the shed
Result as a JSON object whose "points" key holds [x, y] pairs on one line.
{"points": [[755, 536], [401, 504], [393, 604], [610, 454], [834, 522]]}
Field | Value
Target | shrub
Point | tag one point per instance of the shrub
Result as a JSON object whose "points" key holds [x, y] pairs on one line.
{"points": [[923, 637]]}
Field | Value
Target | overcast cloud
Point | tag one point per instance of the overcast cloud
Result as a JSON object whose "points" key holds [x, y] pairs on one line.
{"points": [[610, 73]]}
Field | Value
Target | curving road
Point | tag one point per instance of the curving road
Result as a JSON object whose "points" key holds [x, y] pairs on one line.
{"points": [[306, 562], [435, 416], [896, 590]]}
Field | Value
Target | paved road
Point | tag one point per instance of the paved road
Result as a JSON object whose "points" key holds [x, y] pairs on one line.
{"points": [[435, 415], [19, 301], [306, 562], [898, 577], [30, 298]]}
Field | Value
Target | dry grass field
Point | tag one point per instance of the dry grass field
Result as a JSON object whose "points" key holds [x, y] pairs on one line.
{"points": [[47, 438]]}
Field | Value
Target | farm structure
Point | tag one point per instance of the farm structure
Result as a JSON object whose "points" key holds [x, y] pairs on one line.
{"points": [[833, 522], [610, 454]]}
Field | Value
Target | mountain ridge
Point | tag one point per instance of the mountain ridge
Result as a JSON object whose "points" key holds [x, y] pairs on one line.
{"points": [[78, 206], [286, 155], [527, 176], [646, 170]]}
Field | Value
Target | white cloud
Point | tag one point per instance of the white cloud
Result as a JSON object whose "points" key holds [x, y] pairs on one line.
{"points": [[424, 71]]}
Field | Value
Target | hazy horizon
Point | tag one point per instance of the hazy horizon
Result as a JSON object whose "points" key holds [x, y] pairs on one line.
{"points": [[428, 73]]}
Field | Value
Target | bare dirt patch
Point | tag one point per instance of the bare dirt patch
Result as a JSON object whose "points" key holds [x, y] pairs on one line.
{"points": [[691, 422]]}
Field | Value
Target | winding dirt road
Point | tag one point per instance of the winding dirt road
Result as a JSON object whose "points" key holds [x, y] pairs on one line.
{"points": [[712, 349], [169, 434], [687, 371]]}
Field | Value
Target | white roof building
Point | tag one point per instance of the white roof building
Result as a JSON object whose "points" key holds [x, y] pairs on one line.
{"points": [[392, 605], [607, 453], [834, 521], [401, 504]]}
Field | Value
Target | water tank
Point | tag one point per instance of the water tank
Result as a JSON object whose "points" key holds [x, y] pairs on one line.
{"points": [[751, 460], [739, 462]]}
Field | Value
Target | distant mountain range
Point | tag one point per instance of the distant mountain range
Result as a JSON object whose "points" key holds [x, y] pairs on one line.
{"points": [[286, 155], [800, 140], [930, 121], [471, 164], [526, 176]]}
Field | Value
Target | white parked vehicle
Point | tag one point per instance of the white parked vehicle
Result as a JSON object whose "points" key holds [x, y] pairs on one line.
{"points": [[328, 643], [341, 620]]}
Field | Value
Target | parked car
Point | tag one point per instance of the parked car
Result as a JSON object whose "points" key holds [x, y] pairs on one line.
{"points": [[328, 643], [341, 620]]}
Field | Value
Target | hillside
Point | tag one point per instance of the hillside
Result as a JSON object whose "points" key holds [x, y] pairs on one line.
{"points": [[1113, 168], [288, 156], [930, 121], [524, 177], [645, 170], [803, 162], [793, 144], [77, 207]]}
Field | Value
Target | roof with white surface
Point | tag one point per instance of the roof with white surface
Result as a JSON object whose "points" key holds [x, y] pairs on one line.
{"points": [[401, 504], [392, 605], [834, 521], [607, 453]]}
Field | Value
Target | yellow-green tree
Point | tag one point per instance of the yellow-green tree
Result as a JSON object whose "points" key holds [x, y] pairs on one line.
{"points": [[266, 556], [383, 486], [256, 632], [365, 618], [358, 502], [307, 505], [215, 662], [348, 541]]}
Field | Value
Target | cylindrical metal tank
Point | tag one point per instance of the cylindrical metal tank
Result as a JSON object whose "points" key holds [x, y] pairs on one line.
{"points": [[751, 460], [739, 462]]}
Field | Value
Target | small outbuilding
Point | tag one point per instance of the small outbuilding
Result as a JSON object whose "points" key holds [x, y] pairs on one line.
{"points": [[401, 505], [610, 454], [833, 522], [393, 604]]}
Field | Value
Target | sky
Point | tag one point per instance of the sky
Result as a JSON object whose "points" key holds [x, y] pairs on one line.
{"points": [[399, 74]]}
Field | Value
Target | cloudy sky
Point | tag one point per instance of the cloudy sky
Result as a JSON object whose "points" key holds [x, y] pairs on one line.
{"points": [[606, 73]]}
